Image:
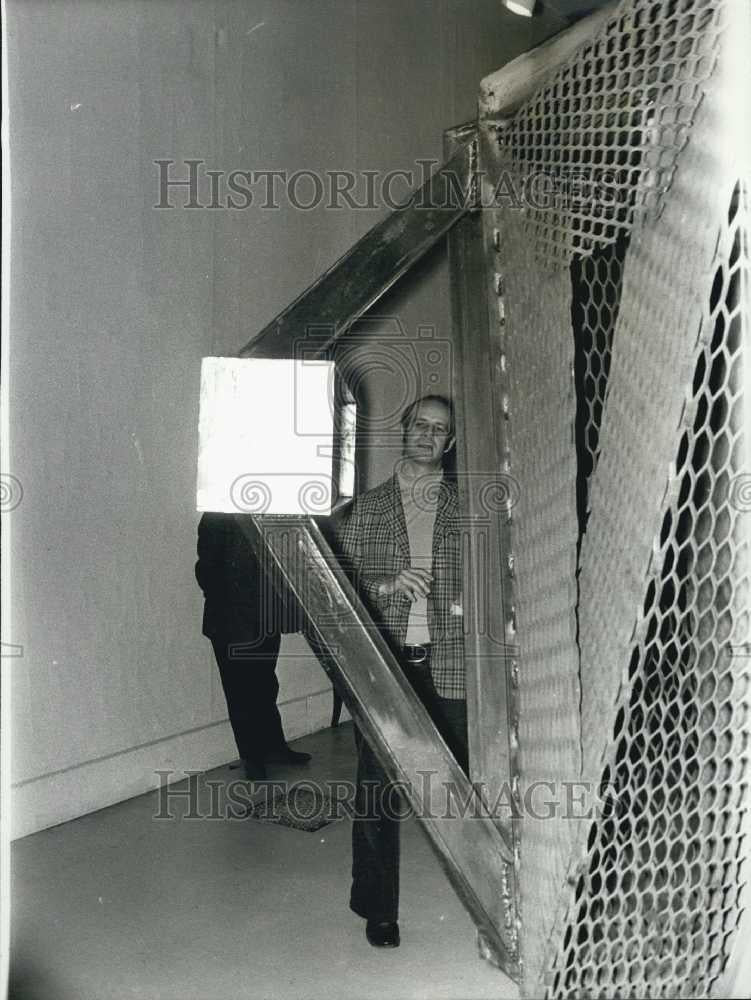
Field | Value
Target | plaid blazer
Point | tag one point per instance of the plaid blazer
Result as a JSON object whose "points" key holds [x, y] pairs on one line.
{"points": [[374, 541]]}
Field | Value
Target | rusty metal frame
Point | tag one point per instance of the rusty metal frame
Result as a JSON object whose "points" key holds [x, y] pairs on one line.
{"points": [[486, 495], [475, 851], [470, 845]]}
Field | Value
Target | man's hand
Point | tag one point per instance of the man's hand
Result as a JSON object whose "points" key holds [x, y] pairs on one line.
{"points": [[413, 583]]}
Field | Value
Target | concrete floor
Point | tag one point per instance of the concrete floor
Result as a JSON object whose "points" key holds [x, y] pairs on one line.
{"points": [[120, 904]]}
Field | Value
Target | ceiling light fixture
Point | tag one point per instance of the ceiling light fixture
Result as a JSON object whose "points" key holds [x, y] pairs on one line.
{"points": [[523, 7]]}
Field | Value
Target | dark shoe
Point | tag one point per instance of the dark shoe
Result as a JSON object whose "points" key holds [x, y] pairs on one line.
{"points": [[255, 770], [382, 934], [286, 755]]}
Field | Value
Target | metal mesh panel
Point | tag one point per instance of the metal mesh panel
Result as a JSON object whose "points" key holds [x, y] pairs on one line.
{"points": [[606, 132], [537, 361], [658, 901], [624, 322], [596, 281]]}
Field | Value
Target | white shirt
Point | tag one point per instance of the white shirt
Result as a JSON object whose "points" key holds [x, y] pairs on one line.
{"points": [[420, 502]]}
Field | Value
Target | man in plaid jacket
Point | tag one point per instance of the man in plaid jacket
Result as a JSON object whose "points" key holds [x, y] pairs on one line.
{"points": [[401, 543]]}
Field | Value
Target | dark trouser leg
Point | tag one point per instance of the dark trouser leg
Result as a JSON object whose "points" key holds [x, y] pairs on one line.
{"points": [[450, 717], [250, 688], [375, 841]]}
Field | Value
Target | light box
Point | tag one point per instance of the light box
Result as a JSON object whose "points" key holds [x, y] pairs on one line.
{"points": [[265, 436]]}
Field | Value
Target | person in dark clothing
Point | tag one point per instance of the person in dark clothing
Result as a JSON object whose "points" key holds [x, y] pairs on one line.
{"points": [[244, 616]]}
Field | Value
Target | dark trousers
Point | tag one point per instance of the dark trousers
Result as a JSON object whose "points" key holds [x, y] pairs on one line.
{"points": [[375, 839], [250, 687]]}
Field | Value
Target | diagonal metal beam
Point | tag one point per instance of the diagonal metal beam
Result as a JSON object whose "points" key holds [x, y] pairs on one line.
{"points": [[359, 278], [486, 496], [469, 845]]}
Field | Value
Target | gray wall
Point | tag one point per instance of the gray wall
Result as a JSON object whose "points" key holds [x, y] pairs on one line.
{"points": [[113, 304]]}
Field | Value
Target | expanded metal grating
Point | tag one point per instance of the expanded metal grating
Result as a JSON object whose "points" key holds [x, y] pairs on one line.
{"points": [[623, 316], [596, 280], [605, 134], [659, 900]]}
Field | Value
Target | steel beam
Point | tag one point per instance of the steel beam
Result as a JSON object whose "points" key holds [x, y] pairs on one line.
{"points": [[486, 496], [359, 278], [503, 92], [471, 848]]}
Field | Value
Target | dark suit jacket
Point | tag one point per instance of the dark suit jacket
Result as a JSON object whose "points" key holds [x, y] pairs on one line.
{"points": [[243, 600]]}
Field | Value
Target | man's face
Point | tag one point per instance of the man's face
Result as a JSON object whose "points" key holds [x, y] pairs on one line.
{"points": [[427, 437]]}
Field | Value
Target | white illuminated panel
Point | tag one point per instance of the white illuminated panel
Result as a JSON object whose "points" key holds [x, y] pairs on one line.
{"points": [[265, 436]]}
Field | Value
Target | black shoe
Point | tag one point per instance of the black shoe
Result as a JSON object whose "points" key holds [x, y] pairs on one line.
{"points": [[286, 755], [382, 933], [255, 770]]}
